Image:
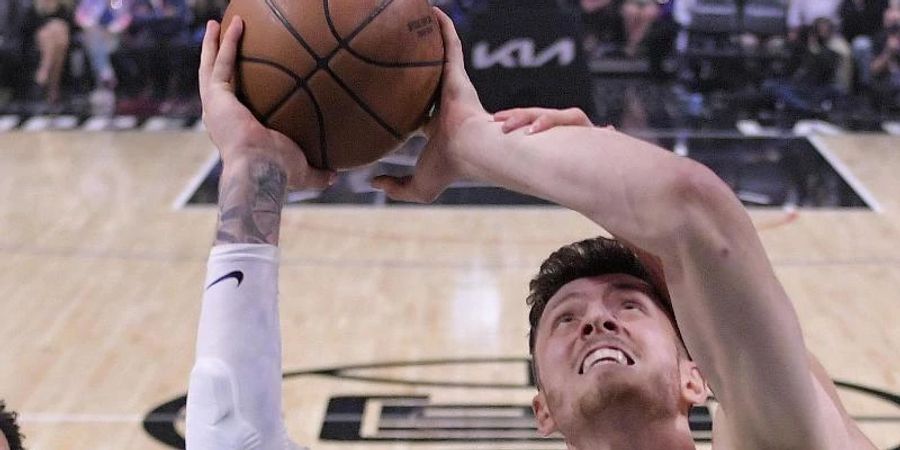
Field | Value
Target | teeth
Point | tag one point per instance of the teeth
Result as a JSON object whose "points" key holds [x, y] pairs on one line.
{"points": [[604, 354]]}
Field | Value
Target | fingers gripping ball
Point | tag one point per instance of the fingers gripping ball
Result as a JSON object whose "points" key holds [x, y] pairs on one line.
{"points": [[348, 80]]}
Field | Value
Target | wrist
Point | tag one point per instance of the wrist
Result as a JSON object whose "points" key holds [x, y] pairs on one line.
{"points": [[251, 195], [249, 164], [469, 141], [254, 175]]}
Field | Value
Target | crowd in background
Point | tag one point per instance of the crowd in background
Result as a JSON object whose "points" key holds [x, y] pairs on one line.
{"points": [[802, 53], [145, 52]]}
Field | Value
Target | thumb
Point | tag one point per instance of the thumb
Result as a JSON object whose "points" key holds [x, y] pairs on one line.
{"points": [[455, 79], [452, 45]]}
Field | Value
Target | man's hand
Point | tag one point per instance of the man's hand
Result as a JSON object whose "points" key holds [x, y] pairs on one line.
{"points": [[231, 126], [439, 165], [259, 165], [541, 119]]}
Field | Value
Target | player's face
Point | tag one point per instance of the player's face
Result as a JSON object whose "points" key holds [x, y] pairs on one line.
{"points": [[603, 342]]}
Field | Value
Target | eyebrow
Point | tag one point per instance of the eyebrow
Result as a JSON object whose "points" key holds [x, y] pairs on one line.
{"points": [[553, 303], [620, 285], [640, 286]]}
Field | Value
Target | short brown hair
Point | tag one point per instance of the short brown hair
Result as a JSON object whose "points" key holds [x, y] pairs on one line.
{"points": [[590, 258], [9, 428]]}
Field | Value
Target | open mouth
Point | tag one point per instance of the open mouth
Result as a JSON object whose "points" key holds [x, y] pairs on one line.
{"points": [[605, 355]]}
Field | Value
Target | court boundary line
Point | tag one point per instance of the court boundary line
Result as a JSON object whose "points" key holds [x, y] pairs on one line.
{"points": [[844, 171], [195, 181]]}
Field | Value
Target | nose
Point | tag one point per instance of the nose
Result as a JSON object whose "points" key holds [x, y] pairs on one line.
{"points": [[607, 325]]}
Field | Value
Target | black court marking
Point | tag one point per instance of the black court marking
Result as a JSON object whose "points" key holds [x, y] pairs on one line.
{"points": [[764, 172], [417, 419], [322, 64], [344, 41]]}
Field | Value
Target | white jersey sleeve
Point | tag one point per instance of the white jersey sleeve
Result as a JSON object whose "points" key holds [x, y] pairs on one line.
{"points": [[234, 397]]}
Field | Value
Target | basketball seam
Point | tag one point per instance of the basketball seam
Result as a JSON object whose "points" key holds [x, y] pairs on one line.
{"points": [[302, 82], [301, 85], [322, 64], [356, 98], [290, 28], [362, 104], [344, 42]]}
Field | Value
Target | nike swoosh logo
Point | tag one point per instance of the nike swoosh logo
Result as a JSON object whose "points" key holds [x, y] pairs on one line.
{"points": [[237, 275]]}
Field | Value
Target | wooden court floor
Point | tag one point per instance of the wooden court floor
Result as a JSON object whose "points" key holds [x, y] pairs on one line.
{"points": [[100, 284]]}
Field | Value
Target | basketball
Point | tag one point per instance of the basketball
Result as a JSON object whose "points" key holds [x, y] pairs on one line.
{"points": [[347, 80]]}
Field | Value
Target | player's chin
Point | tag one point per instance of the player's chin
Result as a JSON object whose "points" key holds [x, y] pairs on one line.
{"points": [[605, 391]]}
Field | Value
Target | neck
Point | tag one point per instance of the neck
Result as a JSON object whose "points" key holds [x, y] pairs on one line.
{"points": [[633, 431]]}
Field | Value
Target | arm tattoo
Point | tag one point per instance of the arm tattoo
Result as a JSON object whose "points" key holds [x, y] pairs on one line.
{"points": [[250, 203]]}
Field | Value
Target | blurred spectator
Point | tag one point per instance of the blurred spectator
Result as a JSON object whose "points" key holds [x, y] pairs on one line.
{"points": [[602, 24], [814, 66], [186, 103], [159, 42], [631, 28], [764, 27], [10, 47], [801, 16], [203, 11], [47, 26], [102, 23], [638, 16], [886, 65], [10, 437], [861, 21], [461, 11]]}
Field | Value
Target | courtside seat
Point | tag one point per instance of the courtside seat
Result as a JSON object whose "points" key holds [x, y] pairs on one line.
{"points": [[714, 16], [765, 17]]}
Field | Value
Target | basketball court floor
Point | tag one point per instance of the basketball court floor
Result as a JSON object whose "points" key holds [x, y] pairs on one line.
{"points": [[404, 327]]}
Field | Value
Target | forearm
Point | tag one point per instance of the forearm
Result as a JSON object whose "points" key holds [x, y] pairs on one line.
{"points": [[235, 386], [725, 294], [626, 185], [251, 196]]}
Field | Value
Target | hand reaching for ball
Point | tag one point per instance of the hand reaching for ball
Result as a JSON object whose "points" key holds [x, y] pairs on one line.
{"points": [[232, 127], [444, 159], [441, 163]]}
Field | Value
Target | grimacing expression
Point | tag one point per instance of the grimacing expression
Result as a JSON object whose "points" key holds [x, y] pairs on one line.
{"points": [[604, 342]]}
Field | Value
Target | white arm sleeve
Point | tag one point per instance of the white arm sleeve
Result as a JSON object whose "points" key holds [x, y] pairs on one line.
{"points": [[234, 397]]}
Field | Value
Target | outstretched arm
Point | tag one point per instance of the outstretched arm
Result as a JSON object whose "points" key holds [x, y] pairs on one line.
{"points": [[735, 316], [234, 398], [536, 120]]}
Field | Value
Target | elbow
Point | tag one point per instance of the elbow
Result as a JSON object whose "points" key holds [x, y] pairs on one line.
{"points": [[694, 185], [701, 204]]}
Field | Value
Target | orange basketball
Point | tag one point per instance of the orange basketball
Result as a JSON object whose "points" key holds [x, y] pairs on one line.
{"points": [[348, 80]]}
